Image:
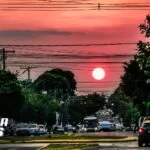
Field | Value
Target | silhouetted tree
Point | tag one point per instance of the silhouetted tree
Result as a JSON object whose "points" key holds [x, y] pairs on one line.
{"points": [[11, 98], [69, 76]]}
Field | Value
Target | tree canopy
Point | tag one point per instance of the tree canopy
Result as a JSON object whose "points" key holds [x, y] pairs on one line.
{"points": [[133, 83], [57, 81], [11, 97], [135, 80], [143, 48], [50, 82], [69, 76]]}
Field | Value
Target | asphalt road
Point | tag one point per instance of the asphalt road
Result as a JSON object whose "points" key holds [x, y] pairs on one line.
{"points": [[119, 146], [102, 146], [21, 146]]}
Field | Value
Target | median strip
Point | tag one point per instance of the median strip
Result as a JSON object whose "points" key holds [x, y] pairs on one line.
{"points": [[84, 140], [71, 140]]}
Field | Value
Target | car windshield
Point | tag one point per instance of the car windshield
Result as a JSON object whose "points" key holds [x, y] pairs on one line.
{"points": [[32, 126], [146, 125], [59, 127], [69, 126], [22, 126], [106, 125]]}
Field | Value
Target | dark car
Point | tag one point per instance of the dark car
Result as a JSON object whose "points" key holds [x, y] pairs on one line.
{"points": [[128, 129], [58, 130], [70, 128], [144, 133]]}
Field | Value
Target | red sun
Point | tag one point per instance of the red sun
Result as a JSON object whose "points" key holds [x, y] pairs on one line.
{"points": [[98, 73]]}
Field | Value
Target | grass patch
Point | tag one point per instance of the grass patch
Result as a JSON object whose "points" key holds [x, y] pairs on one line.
{"points": [[23, 138], [68, 146]]}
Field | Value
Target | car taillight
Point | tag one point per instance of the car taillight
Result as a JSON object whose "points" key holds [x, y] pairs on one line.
{"points": [[141, 130]]}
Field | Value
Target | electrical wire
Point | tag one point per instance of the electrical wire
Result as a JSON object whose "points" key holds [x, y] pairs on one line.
{"points": [[71, 62], [73, 45], [69, 6], [69, 56]]}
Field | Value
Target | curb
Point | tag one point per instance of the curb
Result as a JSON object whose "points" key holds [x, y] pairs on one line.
{"points": [[127, 139]]}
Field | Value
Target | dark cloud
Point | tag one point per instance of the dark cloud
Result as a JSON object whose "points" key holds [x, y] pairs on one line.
{"points": [[36, 33]]}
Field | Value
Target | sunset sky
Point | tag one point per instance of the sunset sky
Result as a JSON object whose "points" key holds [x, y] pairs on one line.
{"points": [[49, 22]]}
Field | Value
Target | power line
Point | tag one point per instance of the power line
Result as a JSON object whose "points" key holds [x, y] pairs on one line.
{"points": [[66, 68], [69, 6], [71, 62], [57, 6], [102, 82], [75, 45], [71, 3], [70, 56], [98, 82], [50, 10]]}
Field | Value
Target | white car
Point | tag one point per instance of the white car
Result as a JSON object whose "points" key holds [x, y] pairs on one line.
{"points": [[119, 127], [42, 129], [22, 129], [34, 129]]}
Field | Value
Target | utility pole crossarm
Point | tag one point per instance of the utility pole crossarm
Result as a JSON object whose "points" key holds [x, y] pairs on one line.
{"points": [[28, 69]]}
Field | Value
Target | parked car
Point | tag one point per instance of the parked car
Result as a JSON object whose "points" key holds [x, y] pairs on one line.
{"points": [[58, 130], [22, 129], [106, 126], [119, 127], [144, 133], [34, 129], [69, 128], [82, 129], [10, 129], [42, 129]]}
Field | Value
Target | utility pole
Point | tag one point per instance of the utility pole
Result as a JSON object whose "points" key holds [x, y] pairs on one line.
{"points": [[3, 52], [99, 6], [28, 69]]}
